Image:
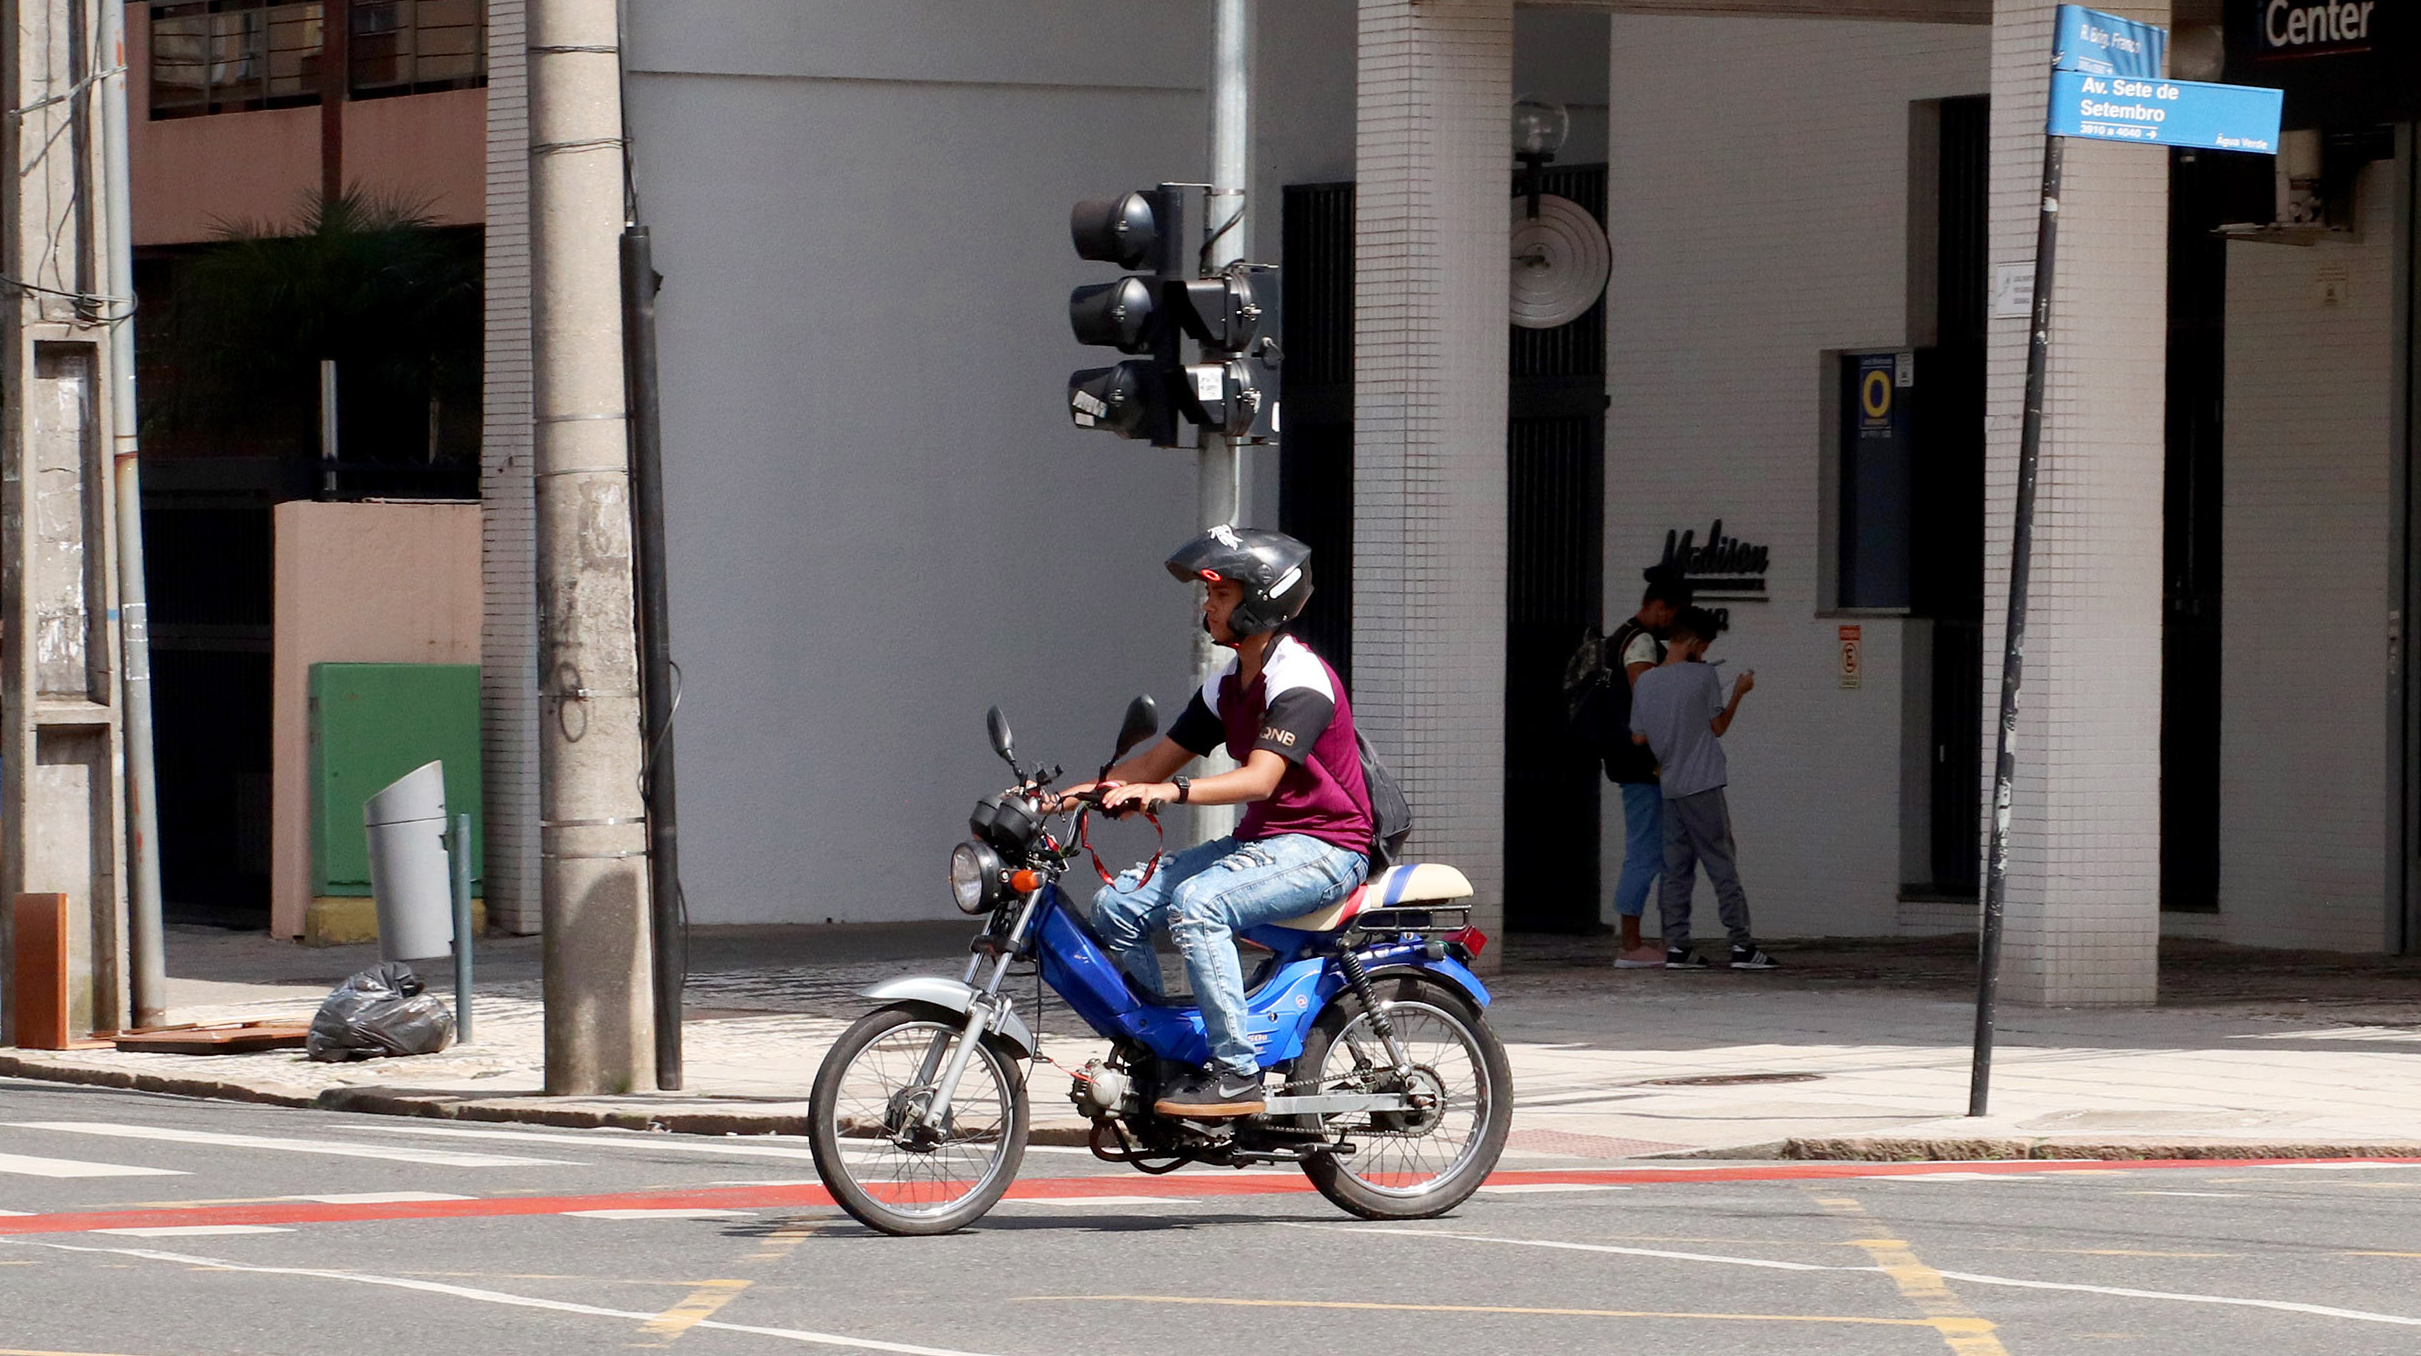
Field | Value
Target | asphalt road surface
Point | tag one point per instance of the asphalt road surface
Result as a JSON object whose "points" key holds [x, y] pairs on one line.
{"points": [[135, 1225]]}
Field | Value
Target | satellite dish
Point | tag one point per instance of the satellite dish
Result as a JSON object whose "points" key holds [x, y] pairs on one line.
{"points": [[1560, 262]]}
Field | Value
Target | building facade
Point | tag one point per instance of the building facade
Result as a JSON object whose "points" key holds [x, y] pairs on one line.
{"points": [[1801, 382], [882, 521]]}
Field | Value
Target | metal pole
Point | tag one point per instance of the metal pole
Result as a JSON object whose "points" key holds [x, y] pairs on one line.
{"points": [[656, 685], [600, 1034], [148, 967], [462, 928], [2013, 644], [327, 428], [1219, 477]]}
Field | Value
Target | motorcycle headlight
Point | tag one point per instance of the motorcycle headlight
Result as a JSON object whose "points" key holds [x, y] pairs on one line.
{"points": [[975, 883]]}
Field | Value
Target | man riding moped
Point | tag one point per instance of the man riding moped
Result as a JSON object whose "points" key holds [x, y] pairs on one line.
{"points": [[1304, 843]]}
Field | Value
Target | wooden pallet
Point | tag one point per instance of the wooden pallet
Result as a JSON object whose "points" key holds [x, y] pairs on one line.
{"points": [[215, 1038]]}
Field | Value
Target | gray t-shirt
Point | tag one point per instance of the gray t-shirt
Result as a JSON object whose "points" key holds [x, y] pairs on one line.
{"points": [[1675, 706]]}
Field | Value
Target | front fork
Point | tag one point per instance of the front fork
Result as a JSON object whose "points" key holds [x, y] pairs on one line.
{"points": [[986, 1010]]}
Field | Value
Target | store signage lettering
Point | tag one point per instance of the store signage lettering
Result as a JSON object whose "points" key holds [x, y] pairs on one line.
{"points": [[2285, 24], [2341, 62], [1719, 566]]}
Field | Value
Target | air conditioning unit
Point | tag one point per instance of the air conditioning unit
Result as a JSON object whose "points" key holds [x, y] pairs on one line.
{"points": [[2316, 177]]}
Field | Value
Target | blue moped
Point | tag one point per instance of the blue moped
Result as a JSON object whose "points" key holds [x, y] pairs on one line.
{"points": [[1396, 1096]]}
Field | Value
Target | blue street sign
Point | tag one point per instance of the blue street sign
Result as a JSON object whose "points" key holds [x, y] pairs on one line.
{"points": [[2095, 43], [2164, 112]]}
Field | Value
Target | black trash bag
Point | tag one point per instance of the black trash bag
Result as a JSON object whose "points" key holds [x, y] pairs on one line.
{"points": [[381, 1011]]}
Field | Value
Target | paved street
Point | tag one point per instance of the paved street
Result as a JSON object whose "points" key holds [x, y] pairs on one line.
{"points": [[140, 1225]]}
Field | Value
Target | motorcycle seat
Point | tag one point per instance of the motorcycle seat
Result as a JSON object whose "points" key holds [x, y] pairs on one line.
{"points": [[1411, 883]]}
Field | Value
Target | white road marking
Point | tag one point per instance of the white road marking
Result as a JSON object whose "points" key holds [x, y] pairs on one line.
{"points": [[1582, 1247], [382, 1197], [1527, 1188], [195, 1230], [19, 1214], [667, 1212], [625, 1139], [2282, 1306], [1953, 1177], [2181, 1193], [1102, 1200], [25, 1166], [495, 1297], [2336, 1167], [440, 1157]]}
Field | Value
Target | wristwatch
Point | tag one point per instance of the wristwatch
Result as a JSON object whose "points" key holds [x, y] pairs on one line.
{"points": [[1185, 789]]}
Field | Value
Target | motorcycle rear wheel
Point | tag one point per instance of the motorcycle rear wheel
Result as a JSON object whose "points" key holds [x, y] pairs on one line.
{"points": [[868, 1095], [1409, 1170]]}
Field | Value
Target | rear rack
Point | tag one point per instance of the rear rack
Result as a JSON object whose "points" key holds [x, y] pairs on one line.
{"points": [[1414, 918]]}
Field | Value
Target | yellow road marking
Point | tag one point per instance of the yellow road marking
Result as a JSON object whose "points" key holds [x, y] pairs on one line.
{"points": [[782, 1240], [1478, 1309], [1965, 1333], [695, 1308]]}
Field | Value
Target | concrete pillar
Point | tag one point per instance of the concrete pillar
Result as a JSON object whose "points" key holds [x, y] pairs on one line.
{"points": [[62, 757], [2084, 861], [1432, 168]]}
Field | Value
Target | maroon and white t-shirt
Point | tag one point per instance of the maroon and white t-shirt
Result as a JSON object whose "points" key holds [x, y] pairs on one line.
{"points": [[1298, 710]]}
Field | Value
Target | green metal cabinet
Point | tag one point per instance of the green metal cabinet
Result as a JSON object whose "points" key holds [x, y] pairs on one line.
{"points": [[370, 724]]}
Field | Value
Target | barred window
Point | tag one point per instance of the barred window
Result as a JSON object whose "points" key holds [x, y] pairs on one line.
{"points": [[223, 56]]}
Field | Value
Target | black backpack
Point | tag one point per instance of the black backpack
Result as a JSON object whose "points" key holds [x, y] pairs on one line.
{"points": [[1390, 813], [1597, 705]]}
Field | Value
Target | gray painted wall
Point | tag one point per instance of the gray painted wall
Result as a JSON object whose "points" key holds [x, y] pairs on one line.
{"points": [[881, 518]]}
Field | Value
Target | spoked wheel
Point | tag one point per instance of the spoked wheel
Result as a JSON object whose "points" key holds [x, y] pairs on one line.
{"points": [[881, 1161], [1423, 1162]]}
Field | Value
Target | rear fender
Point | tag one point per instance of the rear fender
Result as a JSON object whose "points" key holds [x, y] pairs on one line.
{"points": [[957, 997], [1450, 970]]}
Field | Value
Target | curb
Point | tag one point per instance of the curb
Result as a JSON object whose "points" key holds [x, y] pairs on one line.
{"points": [[1877, 1149], [381, 1102]]}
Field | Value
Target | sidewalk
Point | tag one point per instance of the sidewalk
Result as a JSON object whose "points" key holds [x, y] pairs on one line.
{"points": [[1859, 1049]]}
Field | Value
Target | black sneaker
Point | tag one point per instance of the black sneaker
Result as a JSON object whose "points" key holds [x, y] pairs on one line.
{"points": [[1212, 1097], [1753, 958], [1683, 958]]}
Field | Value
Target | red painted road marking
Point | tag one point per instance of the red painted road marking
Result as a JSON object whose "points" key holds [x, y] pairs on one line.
{"points": [[1194, 1185]]}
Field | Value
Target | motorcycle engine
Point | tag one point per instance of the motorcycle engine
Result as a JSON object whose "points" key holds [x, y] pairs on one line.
{"points": [[1099, 1090]]}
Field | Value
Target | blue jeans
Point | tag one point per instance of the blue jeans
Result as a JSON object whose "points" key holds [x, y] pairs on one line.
{"points": [[1204, 896], [1642, 846]]}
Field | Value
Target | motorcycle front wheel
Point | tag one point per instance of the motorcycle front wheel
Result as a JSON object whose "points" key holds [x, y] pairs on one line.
{"points": [[1408, 1164], [882, 1163]]}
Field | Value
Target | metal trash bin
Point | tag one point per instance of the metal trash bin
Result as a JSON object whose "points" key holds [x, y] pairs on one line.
{"points": [[410, 878]]}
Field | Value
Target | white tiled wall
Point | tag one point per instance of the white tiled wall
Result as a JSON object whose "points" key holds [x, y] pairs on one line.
{"points": [[508, 676], [2084, 859], [1435, 82], [1759, 218], [2306, 586]]}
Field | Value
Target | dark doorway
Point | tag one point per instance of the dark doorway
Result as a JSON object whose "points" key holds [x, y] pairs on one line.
{"points": [[1946, 501], [1315, 452], [1555, 498], [2205, 190]]}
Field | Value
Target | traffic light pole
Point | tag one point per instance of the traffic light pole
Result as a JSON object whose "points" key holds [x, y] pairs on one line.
{"points": [[1225, 222]]}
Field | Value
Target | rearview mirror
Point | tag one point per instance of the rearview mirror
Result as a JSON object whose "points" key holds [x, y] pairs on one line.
{"points": [[998, 726], [1141, 723]]}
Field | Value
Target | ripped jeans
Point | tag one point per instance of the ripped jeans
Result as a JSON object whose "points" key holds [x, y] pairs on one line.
{"points": [[1204, 896]]}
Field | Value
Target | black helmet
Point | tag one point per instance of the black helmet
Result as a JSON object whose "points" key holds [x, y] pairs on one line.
{"points": [[1274, 569]]}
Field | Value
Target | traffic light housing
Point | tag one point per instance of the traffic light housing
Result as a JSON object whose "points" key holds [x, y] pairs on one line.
{"points": [[1233, 316], [1137, 398], [1236, 317]]}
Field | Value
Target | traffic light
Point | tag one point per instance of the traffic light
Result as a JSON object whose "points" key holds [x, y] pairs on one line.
{"points": [[1234, 317], [1137, 398]]}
